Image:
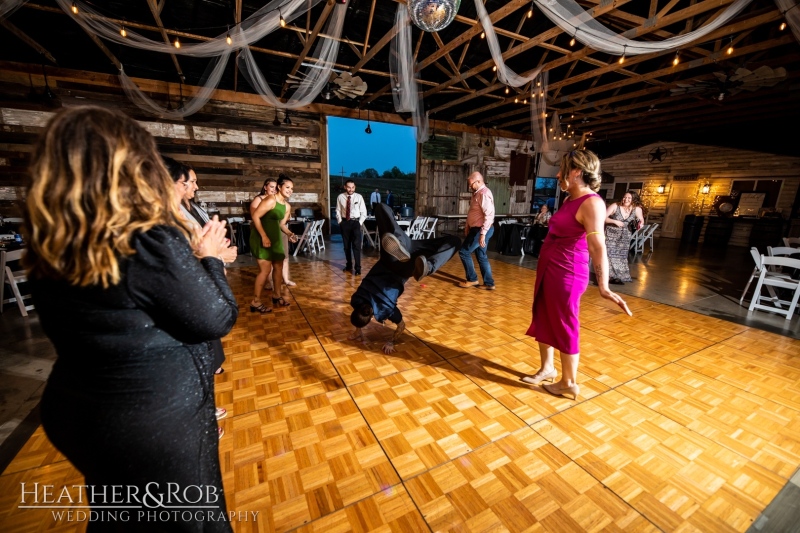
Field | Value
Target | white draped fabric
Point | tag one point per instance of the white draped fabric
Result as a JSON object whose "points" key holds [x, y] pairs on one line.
{"points": [[9, 6], [406, 95], [791, 11]]}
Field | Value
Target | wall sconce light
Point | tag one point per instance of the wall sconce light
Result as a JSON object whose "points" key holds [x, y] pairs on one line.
{"points": [[661, 189], [706, 189]]}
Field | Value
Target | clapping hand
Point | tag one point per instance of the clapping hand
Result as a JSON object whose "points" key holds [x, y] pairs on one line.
{"points": [[212, 238]]}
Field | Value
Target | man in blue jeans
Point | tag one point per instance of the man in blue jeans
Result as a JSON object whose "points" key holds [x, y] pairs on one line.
{"points": [[478, 230]]}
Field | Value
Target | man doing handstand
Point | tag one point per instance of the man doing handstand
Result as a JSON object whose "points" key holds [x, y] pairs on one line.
{"points": [[400, 259]]}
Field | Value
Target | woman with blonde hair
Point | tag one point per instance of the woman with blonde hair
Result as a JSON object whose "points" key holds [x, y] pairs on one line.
{"points": [[562, 274], [129, 294]]}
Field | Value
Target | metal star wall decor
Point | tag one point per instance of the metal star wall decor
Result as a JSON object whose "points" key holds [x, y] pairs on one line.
{"points": [[657, 154]]}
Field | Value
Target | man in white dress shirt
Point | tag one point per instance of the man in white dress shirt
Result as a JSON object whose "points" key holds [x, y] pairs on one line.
{"points": [[374, 199], [351, 211]]}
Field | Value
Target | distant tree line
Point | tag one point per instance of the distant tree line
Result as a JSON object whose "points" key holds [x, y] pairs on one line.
{"points": [[372, 174]]}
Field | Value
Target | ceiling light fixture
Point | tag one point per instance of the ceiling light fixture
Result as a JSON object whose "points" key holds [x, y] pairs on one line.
{"points": [[276, 122], [368, 129], [661, 189], [286, 119]]}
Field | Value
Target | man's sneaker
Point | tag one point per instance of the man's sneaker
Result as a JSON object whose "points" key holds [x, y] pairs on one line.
{"points": [[394, 247], [421, 268]]}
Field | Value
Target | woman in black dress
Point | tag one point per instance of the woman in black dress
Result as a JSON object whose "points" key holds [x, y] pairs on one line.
{"points": [[129, 295]]}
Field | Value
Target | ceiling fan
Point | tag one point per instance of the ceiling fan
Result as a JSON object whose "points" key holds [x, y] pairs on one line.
{"points": [[728, 84], [344, 85]]}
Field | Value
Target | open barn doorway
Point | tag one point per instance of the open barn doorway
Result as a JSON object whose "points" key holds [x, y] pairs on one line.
{"points": [[383, 160]]}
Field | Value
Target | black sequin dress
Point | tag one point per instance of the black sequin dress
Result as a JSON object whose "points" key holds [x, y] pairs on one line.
{"points": [[130, 400]]}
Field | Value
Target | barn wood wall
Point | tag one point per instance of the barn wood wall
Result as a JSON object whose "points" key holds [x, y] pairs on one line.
{"points": [[232, 146], [442, 185], [719, 167]]}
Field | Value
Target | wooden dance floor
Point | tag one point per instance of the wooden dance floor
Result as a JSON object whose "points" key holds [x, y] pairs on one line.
{"points": [[685, 422]]}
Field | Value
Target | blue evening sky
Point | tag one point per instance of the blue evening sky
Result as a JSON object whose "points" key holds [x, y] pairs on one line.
{"points": [[389, 145]]}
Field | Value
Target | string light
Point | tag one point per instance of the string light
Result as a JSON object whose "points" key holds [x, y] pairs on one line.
{"points": [[676, 60], [228, 37], [483, 35], [177, 43], [572, 42], [730, 47], [538, 84], [283, 22], [122, 31], [506, 90], [622, 57], [525, 101], [783, 26], [494, 68], [516, 100], [530, 11], [74, 8]]}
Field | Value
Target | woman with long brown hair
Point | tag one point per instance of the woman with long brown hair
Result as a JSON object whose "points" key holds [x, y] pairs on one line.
{"points": [[129, 294]]}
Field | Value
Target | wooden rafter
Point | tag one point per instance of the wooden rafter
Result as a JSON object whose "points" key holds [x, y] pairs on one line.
{"points": [[326, 12], [22, 36], [369, 28], [616, 67], [447, 57], [156, 10], [237, 18]]}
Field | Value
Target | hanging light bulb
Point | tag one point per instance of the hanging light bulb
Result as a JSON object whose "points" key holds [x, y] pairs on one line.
{"points": [[525, 101], [730, 47], [74, 8], [507, 91], [483, 35], [494, 68], [622, 57], [572, 42], [286, 119], [783, 26], [122, 31], [516, 100], [676, 60], [368, 129], [283, 21], [276, 122], [228, 37], [530, 12], [177, 43], [541, 93]]}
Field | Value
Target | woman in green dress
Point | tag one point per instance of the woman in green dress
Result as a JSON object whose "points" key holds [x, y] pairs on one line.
{"points": [[257, 250], [269, 220]]}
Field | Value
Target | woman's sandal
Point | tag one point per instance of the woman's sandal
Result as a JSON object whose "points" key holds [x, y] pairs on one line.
{"points": [[219, 371], [280, 302], [260, 308]]}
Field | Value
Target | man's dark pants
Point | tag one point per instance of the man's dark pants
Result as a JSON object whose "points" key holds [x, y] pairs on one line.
{"points": [[351, 238]]}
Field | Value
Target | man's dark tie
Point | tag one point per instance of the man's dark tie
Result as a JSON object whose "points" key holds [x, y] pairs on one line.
{"points": [[347, 210]]}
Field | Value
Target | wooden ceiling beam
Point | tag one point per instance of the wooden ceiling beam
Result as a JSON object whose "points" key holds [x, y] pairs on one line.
{"points": [[527, 45], [156, 11], [369, 28], [387, 37], [237, 19], [22, 36], [326, 12], [755, 21], [447, 57]]}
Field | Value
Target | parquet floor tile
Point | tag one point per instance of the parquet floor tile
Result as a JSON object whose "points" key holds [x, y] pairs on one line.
{"points": [[498, 371], [684, 422], [302, 460], [663, 469], [518, 483], [430, 415], [763, 431]]}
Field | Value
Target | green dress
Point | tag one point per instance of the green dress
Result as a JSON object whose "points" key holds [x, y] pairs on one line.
{"points": [[271, 223]]}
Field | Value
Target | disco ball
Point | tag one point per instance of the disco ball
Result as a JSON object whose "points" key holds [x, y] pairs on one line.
{"points": [[433, 15]]}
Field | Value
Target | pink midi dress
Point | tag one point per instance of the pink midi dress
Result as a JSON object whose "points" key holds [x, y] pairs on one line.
{"points": [[562, 276]]}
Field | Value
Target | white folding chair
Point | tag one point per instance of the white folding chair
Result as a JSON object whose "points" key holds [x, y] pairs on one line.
{"points": [[778, 251], [372, 236], [647, 236], [415, 228], [307, 240], [756, 272], [317, 242], [793, 242], [13, 278], [636, 237], [767, 278], [429, 229]]}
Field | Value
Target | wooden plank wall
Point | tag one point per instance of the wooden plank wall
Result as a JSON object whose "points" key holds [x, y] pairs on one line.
{"points": [[718, 167], [442, 185], [232, 146]]}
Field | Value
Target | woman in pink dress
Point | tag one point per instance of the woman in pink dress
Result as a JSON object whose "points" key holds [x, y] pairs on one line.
{"points": [[562, 275]]}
